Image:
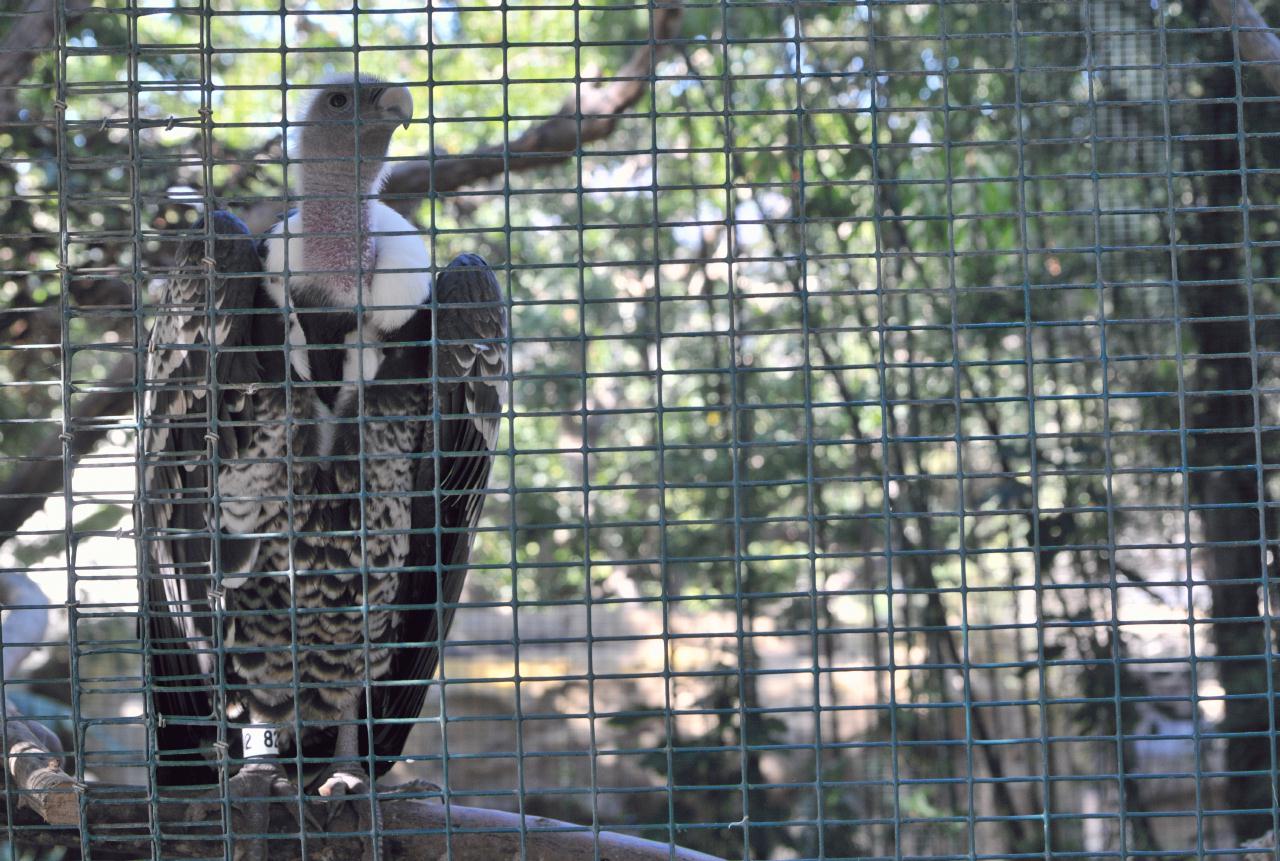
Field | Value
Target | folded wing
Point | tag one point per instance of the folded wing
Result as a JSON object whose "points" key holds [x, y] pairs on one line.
{"points": [[214, 370]]}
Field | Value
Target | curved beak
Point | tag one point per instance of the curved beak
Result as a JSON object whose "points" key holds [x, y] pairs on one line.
{"points": [[396, 102]]}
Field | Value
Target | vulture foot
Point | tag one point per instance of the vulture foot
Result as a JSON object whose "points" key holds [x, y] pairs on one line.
{"points": [[343, 780], [252, 789]]}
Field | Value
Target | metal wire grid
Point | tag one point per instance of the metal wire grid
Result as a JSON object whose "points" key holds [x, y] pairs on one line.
{"points": [[887, 465]]}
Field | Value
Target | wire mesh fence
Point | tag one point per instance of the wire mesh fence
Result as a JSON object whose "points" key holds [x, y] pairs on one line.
{"points": [[881, 465]]}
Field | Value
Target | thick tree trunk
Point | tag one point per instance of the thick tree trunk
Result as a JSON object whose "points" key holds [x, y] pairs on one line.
{"points": [[1225, 489]]}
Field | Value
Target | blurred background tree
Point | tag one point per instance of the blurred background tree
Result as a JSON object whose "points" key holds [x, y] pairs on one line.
{"points": [[889, 458]]}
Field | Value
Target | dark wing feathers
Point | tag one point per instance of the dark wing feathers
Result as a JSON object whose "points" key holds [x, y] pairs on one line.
{"points": [[174, 502], [437, 569], [470, 375]]}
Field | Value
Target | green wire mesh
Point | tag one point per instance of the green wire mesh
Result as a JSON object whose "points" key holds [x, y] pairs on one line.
{"points": [[892, 431]]}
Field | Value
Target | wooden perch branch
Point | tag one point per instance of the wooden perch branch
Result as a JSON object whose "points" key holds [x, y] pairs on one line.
{"points": [[33, 754], [120, 823], [587, 115], [1258, 43], [34, 763], [474, 834]]}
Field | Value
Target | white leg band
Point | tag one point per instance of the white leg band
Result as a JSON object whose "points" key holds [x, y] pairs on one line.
{"points": [[260, 740]]}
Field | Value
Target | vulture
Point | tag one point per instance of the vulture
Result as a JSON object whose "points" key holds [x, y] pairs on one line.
{"points": [[320, 419]]}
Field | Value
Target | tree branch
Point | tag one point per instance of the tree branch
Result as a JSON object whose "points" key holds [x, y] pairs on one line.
{"points": [[33, 759], [34, 753], [124, 823], [587, 115], [41, 473], [30, 36], [1258, 43]]}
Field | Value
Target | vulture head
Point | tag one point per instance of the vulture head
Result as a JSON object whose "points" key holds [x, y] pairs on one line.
{"points": [[351, 119], [340, 146]]}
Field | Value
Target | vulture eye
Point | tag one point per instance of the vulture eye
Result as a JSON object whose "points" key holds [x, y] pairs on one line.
{"points": [[338, 101]]}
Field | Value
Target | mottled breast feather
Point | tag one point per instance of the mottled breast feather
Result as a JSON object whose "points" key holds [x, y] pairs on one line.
{"points": [[425, 482]]}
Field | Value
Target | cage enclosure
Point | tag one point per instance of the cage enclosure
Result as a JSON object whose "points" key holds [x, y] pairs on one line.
{"points": [[685, 429]]}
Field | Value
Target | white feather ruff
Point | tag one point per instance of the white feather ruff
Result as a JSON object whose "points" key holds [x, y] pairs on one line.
{"points": [[402, 266], [401, 282]]}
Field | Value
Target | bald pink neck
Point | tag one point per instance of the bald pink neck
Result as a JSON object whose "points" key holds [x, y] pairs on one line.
{"points": [[336, 224]]}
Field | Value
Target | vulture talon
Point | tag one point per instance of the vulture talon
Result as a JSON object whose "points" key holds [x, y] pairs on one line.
{"points": [[342, 785], [252, 790]]}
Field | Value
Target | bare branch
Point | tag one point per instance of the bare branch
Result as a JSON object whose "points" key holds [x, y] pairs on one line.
{"points": [[34, 761], [1258, 43], [41, 473], [30, 36], [33, 755], [588, 115]]}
